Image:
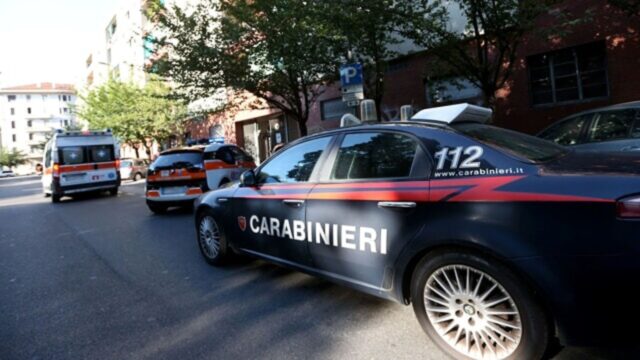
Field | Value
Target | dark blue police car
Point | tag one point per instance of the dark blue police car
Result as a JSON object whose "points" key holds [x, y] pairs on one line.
{"points": [[500, 241]]}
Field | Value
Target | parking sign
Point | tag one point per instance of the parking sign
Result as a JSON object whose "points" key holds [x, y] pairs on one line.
{"points": [[351, 74]]}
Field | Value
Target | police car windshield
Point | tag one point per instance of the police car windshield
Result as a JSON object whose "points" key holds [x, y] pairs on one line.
{"points": [[521, 145], [178, 160]]}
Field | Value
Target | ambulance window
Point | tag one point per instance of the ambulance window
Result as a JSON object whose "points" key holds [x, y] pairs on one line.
{"points": [[72, 155], [374, 155], [101, 153], [294, 164], [225, 155], [47, 157]]}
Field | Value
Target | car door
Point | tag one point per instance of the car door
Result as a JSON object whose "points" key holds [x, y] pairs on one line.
{"points": [[270, 216], [370, 202], [612, 131]]}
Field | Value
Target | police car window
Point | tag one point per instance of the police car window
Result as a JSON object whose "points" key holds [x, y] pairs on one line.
{"points": [[294, 164], [72, 155], [374, 155], [101, 153], [518, 144]]}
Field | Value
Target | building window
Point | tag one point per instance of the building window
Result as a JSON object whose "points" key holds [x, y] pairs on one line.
{"points": [[11, 98], [13, 137], [334, 109], [30, 136], [65, 110], [13, 111], [569, 75], [60, 111], [28, 97], [66, 123], [29, 123], [13, 124], [28, 110]]}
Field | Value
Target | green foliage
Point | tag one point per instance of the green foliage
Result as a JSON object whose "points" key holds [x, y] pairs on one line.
{"points": [[276, 50], [12, 158], [485, 52], [137, 116], [631, 7]]}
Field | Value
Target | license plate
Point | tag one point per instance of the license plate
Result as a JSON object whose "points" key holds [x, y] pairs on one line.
{"points": [[173, 190], [164, 173]]}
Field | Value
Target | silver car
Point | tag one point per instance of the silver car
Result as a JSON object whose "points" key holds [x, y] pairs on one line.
{"points": [[611, 128]]}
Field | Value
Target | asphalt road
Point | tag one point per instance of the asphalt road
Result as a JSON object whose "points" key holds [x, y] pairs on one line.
{"points": [[102, 278]]}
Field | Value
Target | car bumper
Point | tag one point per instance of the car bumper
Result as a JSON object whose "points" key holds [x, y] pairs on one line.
{"points": [[75, 189], [591, 298]]}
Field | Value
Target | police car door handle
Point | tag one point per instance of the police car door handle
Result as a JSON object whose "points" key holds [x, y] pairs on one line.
{"points": [[293, 203], [396, 204]]}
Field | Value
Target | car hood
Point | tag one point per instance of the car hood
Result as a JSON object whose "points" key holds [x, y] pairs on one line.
{"points": [[594, 163]]}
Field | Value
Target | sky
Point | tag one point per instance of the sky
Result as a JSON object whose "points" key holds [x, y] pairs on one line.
{"points": [[49, 40]]}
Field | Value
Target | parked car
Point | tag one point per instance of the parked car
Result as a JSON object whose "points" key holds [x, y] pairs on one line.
{"points": [[179, 176], [7, 173], [501, 241], [133, 169], [611, 128]]}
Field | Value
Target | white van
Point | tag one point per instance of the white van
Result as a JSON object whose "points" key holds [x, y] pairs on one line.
{"points": [[80, 161]]}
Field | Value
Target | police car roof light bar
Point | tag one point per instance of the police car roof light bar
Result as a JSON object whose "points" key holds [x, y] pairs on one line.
{"points": [[349, 120], [455, 114], [368, 111]]}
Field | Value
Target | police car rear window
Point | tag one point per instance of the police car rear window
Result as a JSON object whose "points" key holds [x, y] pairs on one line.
{"points": [[521, 145], [179, 159]]}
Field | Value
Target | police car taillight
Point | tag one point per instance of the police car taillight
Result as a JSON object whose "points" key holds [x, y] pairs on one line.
{"points": [[629, 208]]}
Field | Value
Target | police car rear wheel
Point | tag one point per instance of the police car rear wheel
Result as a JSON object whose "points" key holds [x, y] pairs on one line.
{"points": [[211, 239], [476, 309]]}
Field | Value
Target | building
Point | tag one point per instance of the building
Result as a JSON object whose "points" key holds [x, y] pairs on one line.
{"points": [[594, 65], [28, 113]]}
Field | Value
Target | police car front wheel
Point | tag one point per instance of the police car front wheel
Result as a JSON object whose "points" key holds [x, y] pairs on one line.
{"points": [[211, 239], [477, 309]]}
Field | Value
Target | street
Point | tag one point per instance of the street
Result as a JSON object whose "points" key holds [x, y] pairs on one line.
{"points": [[100, 277]]}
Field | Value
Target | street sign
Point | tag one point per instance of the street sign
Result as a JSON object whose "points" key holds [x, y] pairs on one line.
{"points": [[350, 75], [351, 79]]}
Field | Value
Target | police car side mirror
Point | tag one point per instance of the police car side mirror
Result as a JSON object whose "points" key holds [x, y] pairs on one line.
{"points": [[248, 178]]}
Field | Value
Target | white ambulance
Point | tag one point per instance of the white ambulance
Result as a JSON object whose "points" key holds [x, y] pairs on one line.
{"points": [[80, 161]]}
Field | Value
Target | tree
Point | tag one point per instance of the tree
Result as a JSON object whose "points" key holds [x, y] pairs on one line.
{"points": [[12, 158], [484, 52], [369, 30], [276, 50], [630, 7], [137, 116]]}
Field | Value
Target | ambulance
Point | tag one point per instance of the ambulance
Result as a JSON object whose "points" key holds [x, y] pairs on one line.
{"points": [[80, 161], [179, 176]]}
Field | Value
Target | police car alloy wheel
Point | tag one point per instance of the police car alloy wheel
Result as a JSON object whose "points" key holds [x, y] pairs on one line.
{"points": [[211, 239], [477, 309]]}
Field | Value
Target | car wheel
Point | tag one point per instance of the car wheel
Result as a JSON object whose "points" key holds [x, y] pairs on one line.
{"points": [[113, 192], [157, 208], [473, 308], [211, 240], [55, 198], [137, 177], [47, 195]]}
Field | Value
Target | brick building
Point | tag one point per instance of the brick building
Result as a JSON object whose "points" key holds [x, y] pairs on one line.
{"points": [[592, 66]]}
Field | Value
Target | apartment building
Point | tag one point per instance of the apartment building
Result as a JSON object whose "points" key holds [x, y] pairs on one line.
{"points": [[29, 112]]}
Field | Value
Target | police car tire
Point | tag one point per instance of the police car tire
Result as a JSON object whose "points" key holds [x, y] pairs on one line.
{"points": [[113, 192], [55, 198], [224, 253], [535, 329]]}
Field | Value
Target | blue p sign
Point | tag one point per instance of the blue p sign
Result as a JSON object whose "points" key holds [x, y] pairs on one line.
{"points": [[351, 74]]}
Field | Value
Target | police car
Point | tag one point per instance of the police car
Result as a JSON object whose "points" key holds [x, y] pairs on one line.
{"points": [[179, 176], [80, 161], [500, 241]]}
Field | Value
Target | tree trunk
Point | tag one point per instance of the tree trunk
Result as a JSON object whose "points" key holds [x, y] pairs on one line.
{"points": [[302, 125]]}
